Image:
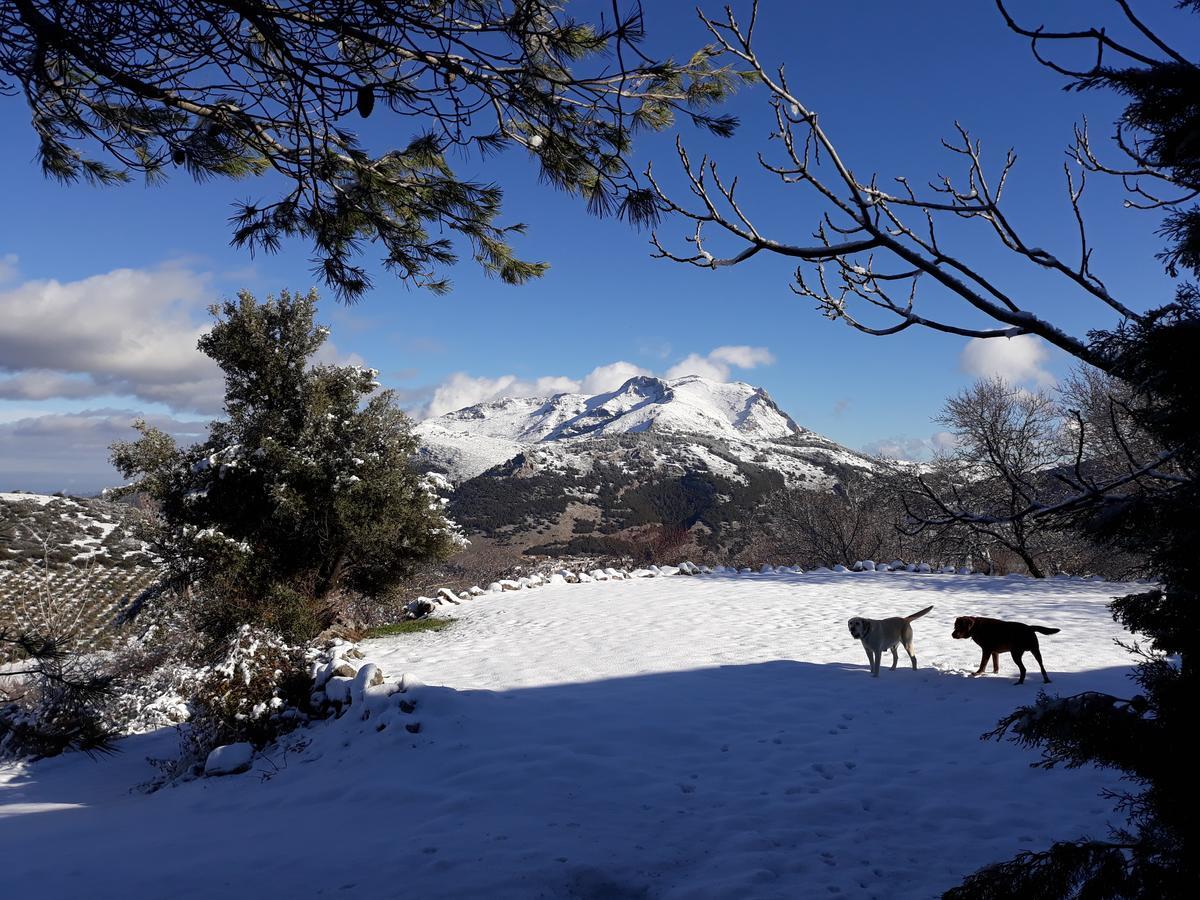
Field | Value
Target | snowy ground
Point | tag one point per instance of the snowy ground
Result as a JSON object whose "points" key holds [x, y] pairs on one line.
{"points": [[704, 737]]}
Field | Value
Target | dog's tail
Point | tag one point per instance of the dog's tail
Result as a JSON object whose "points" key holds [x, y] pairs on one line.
{"points": [[1042, 629], [918, 615]]}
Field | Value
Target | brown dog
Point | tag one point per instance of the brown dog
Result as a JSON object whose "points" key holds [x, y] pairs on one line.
{"points": [[996, 636]]}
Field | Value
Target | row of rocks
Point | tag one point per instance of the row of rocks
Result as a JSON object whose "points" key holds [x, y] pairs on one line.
{"points": [[343, 681], [423, 606]]}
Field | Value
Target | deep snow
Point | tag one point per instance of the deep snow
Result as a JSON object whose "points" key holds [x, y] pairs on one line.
{"points": [[715, 736]]}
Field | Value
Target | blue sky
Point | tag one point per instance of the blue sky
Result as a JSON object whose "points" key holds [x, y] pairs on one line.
{"points": [[889, 80]]}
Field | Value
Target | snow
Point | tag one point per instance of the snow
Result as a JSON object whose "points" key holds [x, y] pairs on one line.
{"points": [[667, 737], [39, 499]]}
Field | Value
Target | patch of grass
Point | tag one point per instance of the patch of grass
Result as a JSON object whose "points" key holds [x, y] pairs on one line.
{"points": [[411, 627]]}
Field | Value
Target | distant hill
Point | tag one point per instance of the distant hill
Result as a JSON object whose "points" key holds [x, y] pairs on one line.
{"points": [[77, 559]]}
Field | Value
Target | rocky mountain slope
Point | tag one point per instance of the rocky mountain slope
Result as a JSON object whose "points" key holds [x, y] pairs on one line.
{"points": [[578, 474]]}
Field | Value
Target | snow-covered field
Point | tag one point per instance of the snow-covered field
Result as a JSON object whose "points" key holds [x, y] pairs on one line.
{"points": [[715, 736]]}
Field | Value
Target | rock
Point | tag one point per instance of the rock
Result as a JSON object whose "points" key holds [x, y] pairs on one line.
{"points": [[868, 565], [343, 669], [337, 689], [599, 575], [840, 568], [419, 608], [320, 674], [555, 578], [667, 570], [229, 759], [766, 569], [409, 681], [448, 595], [923, 568], [354, 653], [508, 584], [369, 675], [495, 587], [477, 591], [898, 564]]}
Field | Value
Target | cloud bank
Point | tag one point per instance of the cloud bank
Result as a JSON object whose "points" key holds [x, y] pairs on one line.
{"points": [[462, 389]]}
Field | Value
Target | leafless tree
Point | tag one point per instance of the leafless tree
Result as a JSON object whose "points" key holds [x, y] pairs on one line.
{"points": [[1008, 440], [874, 247]]}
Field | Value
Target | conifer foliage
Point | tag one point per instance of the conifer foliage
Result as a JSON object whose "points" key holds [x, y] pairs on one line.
{"points": [[302, 493], [243, 89]]}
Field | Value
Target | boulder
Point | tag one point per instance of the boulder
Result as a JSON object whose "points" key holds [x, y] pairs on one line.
{"points": [[337, 689], [229, 759], [369, 675]]}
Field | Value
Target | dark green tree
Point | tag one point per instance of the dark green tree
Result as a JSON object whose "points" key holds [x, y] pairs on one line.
{"points": [[875, 252], [244, 88], [302, 493]]}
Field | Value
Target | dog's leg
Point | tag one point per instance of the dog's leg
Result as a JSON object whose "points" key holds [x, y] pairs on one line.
{"points": [[877, 656], [870, 658], [1037, 654], [908, 648], [995, 662], [1016, 655], [895, 657], [982, 665]]}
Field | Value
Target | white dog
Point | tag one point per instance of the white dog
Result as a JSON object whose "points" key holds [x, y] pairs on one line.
{"points": [[878, 635]]}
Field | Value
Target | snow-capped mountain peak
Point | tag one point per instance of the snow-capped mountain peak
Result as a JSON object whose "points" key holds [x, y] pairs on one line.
{"points": [[691, 405]]}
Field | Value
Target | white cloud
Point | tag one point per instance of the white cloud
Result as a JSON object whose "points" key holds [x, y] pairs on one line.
{"points": [[41, 384], [462, 389], [1016, 360], [716, 365], [128, 332], [603, 379], [743, 357], [695, 364], [912, 449]]}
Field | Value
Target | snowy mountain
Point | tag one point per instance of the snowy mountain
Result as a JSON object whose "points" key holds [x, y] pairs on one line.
{"points": [[578, 474], [738, 416]]}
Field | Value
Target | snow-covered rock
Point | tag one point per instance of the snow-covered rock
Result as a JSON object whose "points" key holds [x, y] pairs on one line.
{"points": [[229, 759]]}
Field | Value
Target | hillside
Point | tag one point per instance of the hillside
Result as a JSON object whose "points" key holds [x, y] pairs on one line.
{"points": [[572, 474], [79, 560]]}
